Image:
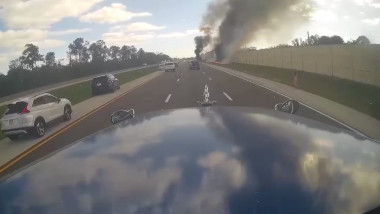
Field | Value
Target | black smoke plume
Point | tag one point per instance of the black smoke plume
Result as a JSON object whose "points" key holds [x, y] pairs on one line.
{"points": [[238, 22], [200, 43]]}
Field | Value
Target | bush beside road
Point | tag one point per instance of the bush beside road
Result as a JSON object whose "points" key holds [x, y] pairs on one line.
{"points": [[82, 91], [358, 96]]}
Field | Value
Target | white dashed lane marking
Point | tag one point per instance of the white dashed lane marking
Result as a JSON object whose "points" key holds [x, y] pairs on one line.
{"points": [[228, 97], [168, 98]]}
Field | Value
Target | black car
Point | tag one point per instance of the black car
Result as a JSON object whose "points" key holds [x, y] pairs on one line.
{"points": [[104, 83], [194, 65], [204, 160]]}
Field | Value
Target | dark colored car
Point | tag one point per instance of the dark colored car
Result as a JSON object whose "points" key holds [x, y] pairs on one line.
{"points": [[194, 65], [104, 83], [204, 160]]}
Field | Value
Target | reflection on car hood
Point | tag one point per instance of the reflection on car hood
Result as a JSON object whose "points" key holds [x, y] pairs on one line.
{"points": [[217, 160]]}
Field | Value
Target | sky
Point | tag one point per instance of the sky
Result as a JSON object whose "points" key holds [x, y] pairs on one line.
{"points": [[167, 26]]}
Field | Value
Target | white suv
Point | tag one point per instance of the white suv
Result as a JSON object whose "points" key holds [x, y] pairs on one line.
{"points": [[30, 115], [169, 66]]}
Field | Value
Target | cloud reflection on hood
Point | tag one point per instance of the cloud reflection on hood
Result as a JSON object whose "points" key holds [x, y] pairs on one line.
{"points": [[224, 160]]}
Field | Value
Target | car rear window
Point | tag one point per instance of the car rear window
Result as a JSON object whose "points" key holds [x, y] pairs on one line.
{"points": [[16, 107], [39, 101], [169, 63], [100, 79], [194, 62]]}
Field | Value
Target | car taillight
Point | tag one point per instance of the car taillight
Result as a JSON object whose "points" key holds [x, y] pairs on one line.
{"points": [[25, 110]]}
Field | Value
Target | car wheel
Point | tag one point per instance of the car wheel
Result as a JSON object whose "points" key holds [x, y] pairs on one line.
{"points": [[67, 113], [13, 137], [39, 128]]}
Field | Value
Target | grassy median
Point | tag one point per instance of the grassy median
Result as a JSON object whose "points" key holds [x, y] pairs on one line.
{"points": [[361, 97], [82, 91]]}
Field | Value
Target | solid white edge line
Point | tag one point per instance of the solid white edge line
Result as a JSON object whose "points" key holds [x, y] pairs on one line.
{"points": [[228, 97], [168, 98], [328, 116]]}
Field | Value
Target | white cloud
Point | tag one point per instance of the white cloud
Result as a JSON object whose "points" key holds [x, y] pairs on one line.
{"points": [[13, 41], [137, 26], [18, 38], [20, 14], [172, 35], [121, 38], [324, 16], [370, 3], [193, 32], [69, 31], [49, 43], [4, 61], [142, 26], [374, 21], [111, 14]]}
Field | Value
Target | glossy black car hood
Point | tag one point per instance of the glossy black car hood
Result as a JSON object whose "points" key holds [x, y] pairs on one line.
{"points": [[217, 160]]}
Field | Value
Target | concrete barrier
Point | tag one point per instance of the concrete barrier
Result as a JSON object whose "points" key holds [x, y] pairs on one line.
{"points": [[360, 63]]}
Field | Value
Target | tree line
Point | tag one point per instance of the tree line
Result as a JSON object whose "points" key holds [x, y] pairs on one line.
{"points": [[33, 69], [328, 40]]}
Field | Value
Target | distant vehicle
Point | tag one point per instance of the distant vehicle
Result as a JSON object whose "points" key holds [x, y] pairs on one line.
{"points": [[104, 83], [145, 64], [194, 65], [31, 115], [169, 66], [176, 64], [161, 66]]}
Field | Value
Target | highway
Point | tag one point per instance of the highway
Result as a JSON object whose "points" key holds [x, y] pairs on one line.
{"points": [[171, 90]]}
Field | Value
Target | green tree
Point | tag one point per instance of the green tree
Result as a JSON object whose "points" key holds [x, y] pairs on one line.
{"points": [[78, 51], [336, 40], [115, 53], [298, 42], [313, 40], [50, 59], [324, 40], [15, 64], [98, 51], [133, 53], [125, 53], [140, 56], [362, 40], [30, 56]]}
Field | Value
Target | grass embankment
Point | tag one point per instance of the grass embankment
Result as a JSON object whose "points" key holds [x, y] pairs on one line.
{"points": [[82, 91], [361, 97]]}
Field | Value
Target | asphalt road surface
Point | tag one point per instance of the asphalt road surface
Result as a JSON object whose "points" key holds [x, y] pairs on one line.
{"points": [[172, 90]]}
